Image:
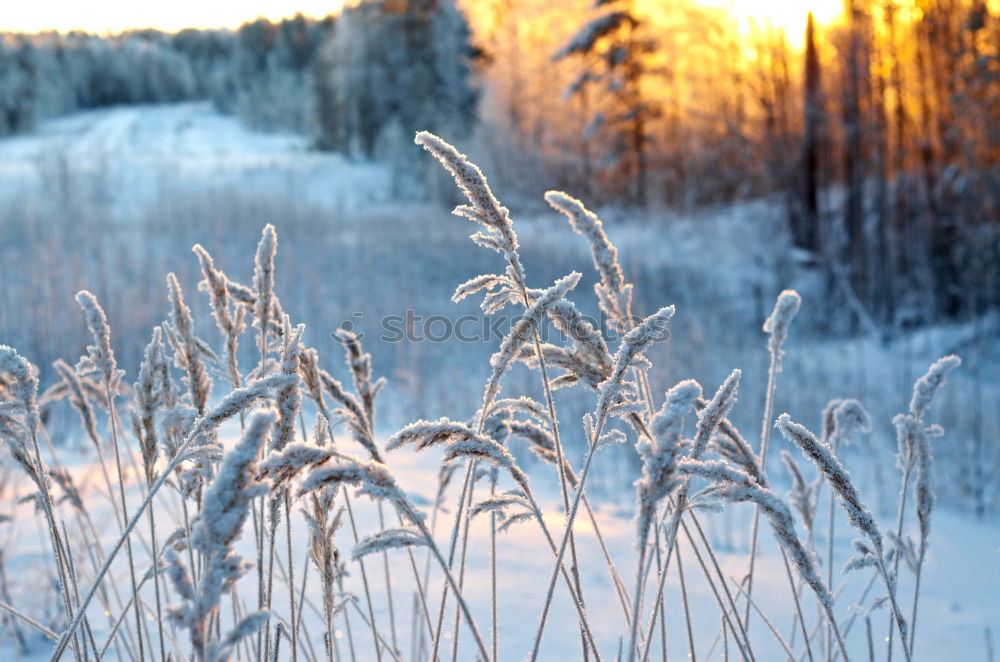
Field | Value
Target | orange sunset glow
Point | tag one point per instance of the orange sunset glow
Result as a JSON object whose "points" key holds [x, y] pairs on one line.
{"points": [[111, 16]]}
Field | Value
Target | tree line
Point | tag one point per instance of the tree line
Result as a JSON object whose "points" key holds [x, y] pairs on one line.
{"points": [[878, 136], [343, 79]]}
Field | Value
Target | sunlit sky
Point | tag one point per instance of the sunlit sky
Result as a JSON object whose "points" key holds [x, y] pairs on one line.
{"points": [[789, 15], [170, 15]]}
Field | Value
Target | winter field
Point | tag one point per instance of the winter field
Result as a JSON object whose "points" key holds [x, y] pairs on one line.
{"points": [[112, 200]]}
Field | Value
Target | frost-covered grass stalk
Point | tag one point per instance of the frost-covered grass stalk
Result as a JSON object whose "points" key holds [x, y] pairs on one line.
{"points": [[841, 420], [873, 554], [776, 327], [258, 550], [100, 359], [712, 414], [659, 479], [485, 209], [226, 507], [914, 456], [20, 421]]}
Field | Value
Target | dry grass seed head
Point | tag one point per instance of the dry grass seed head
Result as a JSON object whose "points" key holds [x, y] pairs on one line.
{"points": [[776, 325], [99, 357], [188, 350], [633, 344], [838, 477], [522, 331]]}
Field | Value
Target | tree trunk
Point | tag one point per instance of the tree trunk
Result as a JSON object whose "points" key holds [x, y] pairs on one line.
{"points": [[805, 230]]}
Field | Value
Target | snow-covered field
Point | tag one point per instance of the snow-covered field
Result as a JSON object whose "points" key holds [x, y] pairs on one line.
{"points": [[958, 595], [129, 156], [722, 268]]}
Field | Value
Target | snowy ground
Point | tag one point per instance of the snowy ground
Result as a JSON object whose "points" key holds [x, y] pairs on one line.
{"points": [[721, 268], [959, 594], [130, 155]]}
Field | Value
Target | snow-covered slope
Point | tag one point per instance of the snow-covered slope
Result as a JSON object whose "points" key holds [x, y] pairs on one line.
{"points": [[131, 154]]}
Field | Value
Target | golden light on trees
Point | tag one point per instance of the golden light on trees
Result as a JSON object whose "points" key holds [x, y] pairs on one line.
{"points": [[788, 16]]}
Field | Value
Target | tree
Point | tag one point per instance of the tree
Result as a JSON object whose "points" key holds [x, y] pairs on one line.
{"points": [[613, 46], [805, 231], [18, 86], [399, 63]]}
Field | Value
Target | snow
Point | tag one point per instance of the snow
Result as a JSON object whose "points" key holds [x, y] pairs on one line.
{"points": [[134, 154], [958, 595]]}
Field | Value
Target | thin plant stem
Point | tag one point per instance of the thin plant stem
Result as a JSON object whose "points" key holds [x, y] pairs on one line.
{"points": [[559, 561], [121, 492], [466, 522], [71, 565], [136, 517], [581, 612], [388, 584], [364, 578], [687, 611], [798, 606], [122, 616], [849, 623], [900, 517], [829, 560], [670, 541], [420, 586], [765, 435], [156, 580], [570, 518], [608, 562], [836, 632], [916, 596], [29, 620], [96, 556], [291, 576], [347, 624], [868, 638], [662, 607], [386, 646], [894, 603], [257, 510], [269, 584], [746, 651], [763, 617], [748, 654], [725, 641], [561, 467], [427, 566], [637, 595], [58, 549], [676, 523], [494, 603], [451, 580], [453, 547]]}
